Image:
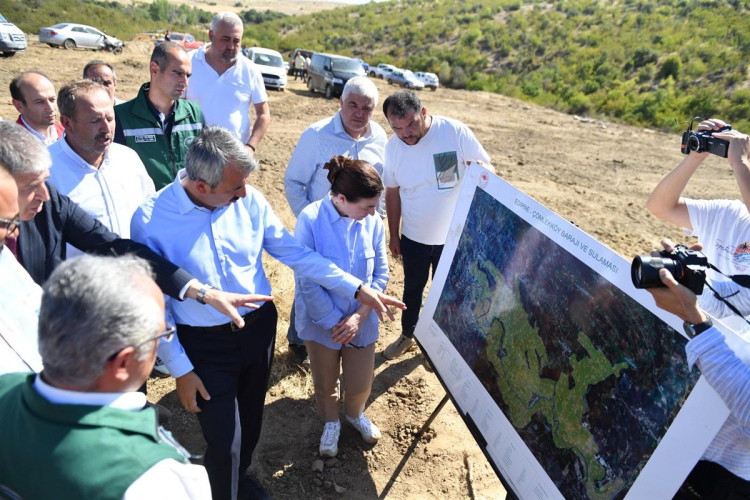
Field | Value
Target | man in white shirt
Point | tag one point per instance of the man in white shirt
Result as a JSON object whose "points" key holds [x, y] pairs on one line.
{"points": [[34, 98], [351, 133], [107, 180], [19, 307], [104, 73], [424, 167], [225, 83], [100, 321]]}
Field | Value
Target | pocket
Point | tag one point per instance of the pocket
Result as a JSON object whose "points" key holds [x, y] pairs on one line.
{"points": [[368, 255]]}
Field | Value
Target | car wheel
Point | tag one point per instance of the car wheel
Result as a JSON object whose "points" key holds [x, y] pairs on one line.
{"points": [[310, 86], [8, 54], [69, 44], [372, 74], [380, 76], [329, 92], [433, 89], [407, 86], [117, 51], [390, 82]]}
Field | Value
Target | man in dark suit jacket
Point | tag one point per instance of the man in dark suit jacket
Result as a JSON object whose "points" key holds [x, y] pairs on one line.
{"points": [[50, 220]]}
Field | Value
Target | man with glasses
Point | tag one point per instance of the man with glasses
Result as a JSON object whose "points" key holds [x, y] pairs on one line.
{"points": [[19, 295], [103, 72], [99, 324]]}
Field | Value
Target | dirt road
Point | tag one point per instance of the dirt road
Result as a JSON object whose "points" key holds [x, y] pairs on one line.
{"points": [[594, 173]]}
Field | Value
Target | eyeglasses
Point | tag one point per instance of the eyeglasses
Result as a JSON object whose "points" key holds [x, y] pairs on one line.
{"points": [[11, 224], [167, 335]]}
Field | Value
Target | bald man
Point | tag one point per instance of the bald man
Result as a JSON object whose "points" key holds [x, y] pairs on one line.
{"points": [[35, 99]]}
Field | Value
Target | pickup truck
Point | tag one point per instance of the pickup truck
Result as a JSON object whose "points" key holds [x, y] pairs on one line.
{"points": [[187, 40], [382, 71]]}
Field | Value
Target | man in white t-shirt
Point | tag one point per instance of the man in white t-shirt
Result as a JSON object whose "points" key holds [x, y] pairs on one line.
{"points": [[722, 226], [225, 83], [107, 180], [425, 161]]}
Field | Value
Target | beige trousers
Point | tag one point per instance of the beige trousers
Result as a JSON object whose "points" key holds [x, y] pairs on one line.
{"points": [[358, 368]]}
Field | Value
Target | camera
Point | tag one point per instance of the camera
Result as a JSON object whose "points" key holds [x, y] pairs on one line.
{"points": [[688, 267], [703, 141]]}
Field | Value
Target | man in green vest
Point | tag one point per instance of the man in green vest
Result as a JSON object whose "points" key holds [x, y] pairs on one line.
{"points": [[157, 124], [81, 429]]}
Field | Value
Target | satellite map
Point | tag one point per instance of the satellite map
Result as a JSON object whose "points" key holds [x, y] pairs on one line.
{"points": [[589, 378]]}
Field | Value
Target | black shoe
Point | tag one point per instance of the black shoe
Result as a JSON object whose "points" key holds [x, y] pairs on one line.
{"points": [[251, 489], [300, 354]]}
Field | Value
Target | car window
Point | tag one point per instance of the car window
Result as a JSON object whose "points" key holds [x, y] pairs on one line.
{"points": [[189, 38], [268, 60], [92, 31], [78, 29], [176, 36]]}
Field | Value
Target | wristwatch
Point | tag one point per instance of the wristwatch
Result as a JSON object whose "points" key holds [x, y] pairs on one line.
{"points": [[693, 331], [202, 293]]}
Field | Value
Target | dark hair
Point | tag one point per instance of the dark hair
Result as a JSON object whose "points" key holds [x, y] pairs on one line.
{"points": [[93, 64], [16, 84], [160, 55], [401, 103], [355, 179]]}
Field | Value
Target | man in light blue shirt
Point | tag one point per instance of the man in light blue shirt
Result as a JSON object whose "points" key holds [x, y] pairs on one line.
{"points": [[216, 226], [351, 133], [724, 470]]}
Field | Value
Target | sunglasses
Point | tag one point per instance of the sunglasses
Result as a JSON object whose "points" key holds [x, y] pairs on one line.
{"points": [[167, 335]]}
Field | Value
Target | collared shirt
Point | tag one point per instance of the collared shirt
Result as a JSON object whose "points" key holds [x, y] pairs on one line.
{"points": [[168, 478], [305, 180], [20, 298], [225, 99], [223, 247], [166, 121], [53, 138], [730, 378], [110, 193], [355, 246]]}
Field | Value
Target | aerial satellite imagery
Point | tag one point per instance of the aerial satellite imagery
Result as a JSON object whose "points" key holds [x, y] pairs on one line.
{"points": [[589, 378]]}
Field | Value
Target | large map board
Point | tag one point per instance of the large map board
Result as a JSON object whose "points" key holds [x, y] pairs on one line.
{"points": [[574, 383]]}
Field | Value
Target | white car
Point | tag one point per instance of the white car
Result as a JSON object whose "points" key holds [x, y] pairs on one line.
{"points": [[271, 66], [382, 71], [12, 39], [430, 80]]}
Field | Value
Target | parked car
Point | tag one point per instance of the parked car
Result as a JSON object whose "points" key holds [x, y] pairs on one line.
{"points": [[329, 73], [12, 39], [70, 36], [405, 79], [271, 65], [430, 80], [186, 40], [305, 53], [382, 70]]}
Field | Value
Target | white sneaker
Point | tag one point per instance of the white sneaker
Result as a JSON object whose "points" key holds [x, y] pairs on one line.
{"points": [[329, 441], [369, 431]]}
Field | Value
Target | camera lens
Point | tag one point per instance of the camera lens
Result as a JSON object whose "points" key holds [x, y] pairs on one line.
{"points": [[694, 143], [645, 270]]}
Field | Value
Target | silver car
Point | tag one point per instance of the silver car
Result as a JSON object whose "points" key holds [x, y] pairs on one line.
{"points": [[71, 35], [405, 79]]}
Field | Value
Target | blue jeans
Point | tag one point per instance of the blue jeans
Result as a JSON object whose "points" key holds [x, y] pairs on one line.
{"points": [[417, 259]]}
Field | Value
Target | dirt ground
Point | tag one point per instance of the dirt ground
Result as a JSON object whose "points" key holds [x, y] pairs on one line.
{"points": [[597, 174]]}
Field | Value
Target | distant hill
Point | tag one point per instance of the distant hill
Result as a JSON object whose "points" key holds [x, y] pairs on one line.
{"points": [[644, 62]]}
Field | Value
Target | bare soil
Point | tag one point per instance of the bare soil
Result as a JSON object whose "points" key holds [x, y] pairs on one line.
{"points": [[597, 174]]}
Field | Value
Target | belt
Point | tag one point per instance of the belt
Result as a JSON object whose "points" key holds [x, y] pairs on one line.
{"points": [[230, 327]]}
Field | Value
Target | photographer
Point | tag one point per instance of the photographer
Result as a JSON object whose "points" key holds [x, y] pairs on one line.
{"points": [[722, 225], [724, 470]]}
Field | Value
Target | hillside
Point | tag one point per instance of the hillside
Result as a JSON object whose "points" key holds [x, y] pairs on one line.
{"points": [[645, 62]]}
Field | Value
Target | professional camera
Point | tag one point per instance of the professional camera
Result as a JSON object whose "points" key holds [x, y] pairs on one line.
{"points": [[703, 141], [688, 267]]}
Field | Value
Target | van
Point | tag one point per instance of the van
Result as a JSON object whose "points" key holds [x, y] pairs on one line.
{"points": [[329, 73], [12, 39], [271, 65]]}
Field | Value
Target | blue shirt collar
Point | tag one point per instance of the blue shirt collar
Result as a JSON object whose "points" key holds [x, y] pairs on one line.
{"points": [[184, 203]]}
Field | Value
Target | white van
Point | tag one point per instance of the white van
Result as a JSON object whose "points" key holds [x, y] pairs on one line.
{"points": [[12, 39], [271, 65]]}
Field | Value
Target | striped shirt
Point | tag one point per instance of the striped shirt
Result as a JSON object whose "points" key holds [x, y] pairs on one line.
{"points": [[730, 378]]}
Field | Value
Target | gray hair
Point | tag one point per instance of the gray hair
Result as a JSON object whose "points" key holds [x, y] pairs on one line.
{"points": [[93, 64], [212, 151], [401, 103], [71, 91], [93, 307], [361, 85], [160, 55], [229, 18], [20, 151]]}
